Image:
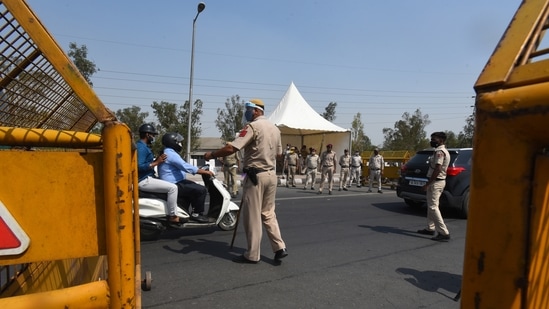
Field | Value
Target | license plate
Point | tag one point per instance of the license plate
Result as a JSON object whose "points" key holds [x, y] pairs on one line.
{"points": [[418, 183]]}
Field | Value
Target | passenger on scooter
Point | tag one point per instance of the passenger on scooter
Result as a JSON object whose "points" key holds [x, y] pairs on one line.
{"points": [[145, 170], [174, 170]]}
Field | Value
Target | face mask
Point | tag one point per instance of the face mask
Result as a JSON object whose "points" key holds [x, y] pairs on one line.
{"points": [[434, 144], [249, 115]]}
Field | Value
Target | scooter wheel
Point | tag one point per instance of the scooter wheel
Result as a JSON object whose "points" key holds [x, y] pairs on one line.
{"points": [[228, 222], [146, 284]]}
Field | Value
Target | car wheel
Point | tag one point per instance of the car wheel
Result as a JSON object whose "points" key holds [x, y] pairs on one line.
{"points": [[412, 203], [465, 205]]}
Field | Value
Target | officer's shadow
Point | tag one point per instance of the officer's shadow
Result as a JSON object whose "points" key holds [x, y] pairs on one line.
{"points": [[392, 230], [433, 281]]}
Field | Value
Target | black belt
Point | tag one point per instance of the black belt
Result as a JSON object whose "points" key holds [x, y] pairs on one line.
{"points": [[344, 166], [439, 179], [313, 168], [228, 165], [375, 169], [258, 170], [291, 164], [328, 165], [356, 165]]}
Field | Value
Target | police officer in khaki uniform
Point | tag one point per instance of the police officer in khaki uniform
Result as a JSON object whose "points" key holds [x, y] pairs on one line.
{"points": [[356, 169], [303, 153], [292, 165], [230, 166], [328, 163], [260, 140], [438, 164], [376, 165], [311, 162], [344, 163]]}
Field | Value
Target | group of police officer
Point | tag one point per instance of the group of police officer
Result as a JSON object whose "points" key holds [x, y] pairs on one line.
{"points": [[326, 163]]}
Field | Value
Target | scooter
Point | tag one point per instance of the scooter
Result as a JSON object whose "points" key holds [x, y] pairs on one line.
{"points": [[153, 208]]}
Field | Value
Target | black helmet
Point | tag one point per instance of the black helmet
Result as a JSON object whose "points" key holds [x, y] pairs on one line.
{"points": [[172, 140], [147, 128]]}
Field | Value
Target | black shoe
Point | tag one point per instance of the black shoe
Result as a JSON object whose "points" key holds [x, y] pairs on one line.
{"points": [[330, 192], [199, 218], [312, 188], [243, 260], [293, 186], [441, 237], [345, 189], [339, 189], [280, 254], [426, 232], [319, 192], [379, 191]]}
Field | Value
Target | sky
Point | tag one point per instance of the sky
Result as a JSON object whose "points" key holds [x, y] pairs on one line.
{"points": [[377, 58]]}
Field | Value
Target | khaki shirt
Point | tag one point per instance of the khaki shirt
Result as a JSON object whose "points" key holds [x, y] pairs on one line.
{"points": [[291, 158], [312, 161], [440, 156], [345, 161], [261, 142], [356, 161], [376, 162], [328, 158]]}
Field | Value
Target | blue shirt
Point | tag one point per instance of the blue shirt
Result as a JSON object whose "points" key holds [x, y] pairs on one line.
{"points": [[174, 169], [145, 157]]}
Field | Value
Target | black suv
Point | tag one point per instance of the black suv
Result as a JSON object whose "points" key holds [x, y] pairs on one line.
{"points": [[413, 175]]}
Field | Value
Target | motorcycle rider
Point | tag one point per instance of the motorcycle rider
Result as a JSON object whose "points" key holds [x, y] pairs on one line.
{"points": [[146, 174], [174, 170]]}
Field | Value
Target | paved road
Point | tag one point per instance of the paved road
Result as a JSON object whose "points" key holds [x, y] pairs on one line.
{"points": [[347, 250]]}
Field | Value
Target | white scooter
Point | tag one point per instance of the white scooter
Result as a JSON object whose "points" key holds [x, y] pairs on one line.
{"points": [[153, 208]]}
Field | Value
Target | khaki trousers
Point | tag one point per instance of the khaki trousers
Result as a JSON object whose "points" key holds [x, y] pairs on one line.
{"points": [[434, 218], [291, 175], [327, 171], [258, 210], [230, 178], [343, 177], [375, 174], [355, 175], [310, 177]]}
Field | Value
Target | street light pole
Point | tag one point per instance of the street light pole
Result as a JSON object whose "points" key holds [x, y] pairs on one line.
{"points": [[200, 8]]}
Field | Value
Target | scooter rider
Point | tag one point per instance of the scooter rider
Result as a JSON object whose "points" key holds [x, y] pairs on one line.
{"points": [[145, 170], [174, 170]]}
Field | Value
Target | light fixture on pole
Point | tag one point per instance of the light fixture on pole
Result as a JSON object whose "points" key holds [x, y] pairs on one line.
{"points": [[200, 8]]}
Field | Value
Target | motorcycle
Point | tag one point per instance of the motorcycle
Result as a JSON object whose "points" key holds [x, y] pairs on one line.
{"points": [[153, 206]]}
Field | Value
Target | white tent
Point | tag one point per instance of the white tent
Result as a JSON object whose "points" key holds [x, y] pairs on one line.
{"points": [[301, 125]]}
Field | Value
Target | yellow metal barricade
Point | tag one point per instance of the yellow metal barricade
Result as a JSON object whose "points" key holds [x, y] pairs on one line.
{"points": [[506, 263], [69, 237], [394, 159]]}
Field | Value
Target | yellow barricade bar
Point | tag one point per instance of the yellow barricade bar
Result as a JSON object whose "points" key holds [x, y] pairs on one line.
{"points": [[10, 136]]}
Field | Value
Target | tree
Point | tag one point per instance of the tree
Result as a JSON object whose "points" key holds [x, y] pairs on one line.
{"points": [[359, 141], [408, 133], [133, 118], [79, 56], [174, 119], [231, 120], [465, 137], [451, 140], [329, 113]]}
